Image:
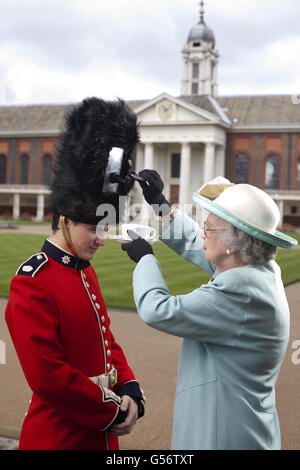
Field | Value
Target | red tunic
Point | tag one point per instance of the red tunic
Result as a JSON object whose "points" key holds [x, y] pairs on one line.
{"points": [[61, 331]]}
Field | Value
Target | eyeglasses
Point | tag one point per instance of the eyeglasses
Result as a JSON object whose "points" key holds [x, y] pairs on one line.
{"points": [[206, 229]]}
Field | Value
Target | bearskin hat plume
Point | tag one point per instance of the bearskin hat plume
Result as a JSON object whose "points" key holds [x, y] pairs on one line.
{"points": [[92, 128]]}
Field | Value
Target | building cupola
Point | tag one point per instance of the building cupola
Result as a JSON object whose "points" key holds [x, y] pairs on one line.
{"points": [[200, 59]]}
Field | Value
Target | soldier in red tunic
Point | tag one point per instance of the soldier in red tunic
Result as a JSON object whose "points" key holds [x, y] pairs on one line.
{"points": [[84, 393]]}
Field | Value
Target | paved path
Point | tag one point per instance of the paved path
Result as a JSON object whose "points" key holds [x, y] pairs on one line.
{"points": [[34, 229], [153, 356], [7, 443]]}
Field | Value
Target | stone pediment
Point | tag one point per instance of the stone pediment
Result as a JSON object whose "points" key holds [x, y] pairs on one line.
{"points": [[165, 109]]}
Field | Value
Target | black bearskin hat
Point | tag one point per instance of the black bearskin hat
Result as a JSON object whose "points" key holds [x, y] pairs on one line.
{"points": [[92, 129]]}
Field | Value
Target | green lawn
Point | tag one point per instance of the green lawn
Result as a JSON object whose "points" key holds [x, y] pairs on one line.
{"points": [[114, 268]]}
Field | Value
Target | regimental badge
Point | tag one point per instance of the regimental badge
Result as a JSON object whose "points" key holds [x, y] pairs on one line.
{"points": [[66, 259]]}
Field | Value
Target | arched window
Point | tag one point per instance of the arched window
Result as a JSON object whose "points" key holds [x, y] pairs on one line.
{"points": [[47, 170], [2, 169], [24, 169], [272, 172], [241, 168]]}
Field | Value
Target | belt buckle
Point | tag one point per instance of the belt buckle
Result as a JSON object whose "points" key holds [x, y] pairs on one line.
{"points": [[103, 380], [110, 379]]}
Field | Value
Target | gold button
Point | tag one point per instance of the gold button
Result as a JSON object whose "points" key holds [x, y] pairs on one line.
{"points": [[107, 366], [106, 343], [103, 329], [103, 318], [94, 297], [108, 352], [97, 306], [87, 285]]}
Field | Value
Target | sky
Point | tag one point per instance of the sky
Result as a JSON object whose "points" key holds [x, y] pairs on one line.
{"points": [[61, 51]]}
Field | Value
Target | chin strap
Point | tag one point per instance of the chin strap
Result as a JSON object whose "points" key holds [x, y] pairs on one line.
{"points": [[66, 235]]}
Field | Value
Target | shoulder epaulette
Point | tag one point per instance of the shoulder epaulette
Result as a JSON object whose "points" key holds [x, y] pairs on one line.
{"points": [[32, 265]]}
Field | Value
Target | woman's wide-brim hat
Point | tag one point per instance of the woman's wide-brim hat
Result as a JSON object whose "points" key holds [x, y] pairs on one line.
{"points": [[246, 207]]}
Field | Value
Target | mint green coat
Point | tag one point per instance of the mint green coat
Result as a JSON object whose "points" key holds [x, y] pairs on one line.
{"points": [[235, 330]]}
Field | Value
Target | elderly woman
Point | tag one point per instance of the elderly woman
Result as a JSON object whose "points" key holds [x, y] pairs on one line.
{"points": [[235, 328]]}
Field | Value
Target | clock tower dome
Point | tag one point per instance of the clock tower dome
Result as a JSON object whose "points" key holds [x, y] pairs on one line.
{"points": [[200, 60]]}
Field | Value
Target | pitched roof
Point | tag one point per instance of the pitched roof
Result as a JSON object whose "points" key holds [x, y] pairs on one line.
{"points": [[203, 101], [47, 118], [37, 118], [241, 110], [261, 109]]}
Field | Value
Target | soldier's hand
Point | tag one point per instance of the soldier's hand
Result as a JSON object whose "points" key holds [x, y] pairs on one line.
{"points": [[128, 405]]}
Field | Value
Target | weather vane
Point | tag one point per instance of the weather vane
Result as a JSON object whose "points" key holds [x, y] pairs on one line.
{"points": [[202, 11]]}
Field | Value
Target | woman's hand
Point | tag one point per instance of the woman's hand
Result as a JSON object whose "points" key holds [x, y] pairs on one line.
{"points": [[137, 248], [152, 192]]}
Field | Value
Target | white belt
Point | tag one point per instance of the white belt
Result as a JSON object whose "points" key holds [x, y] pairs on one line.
{"points": [[106, 380]]}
